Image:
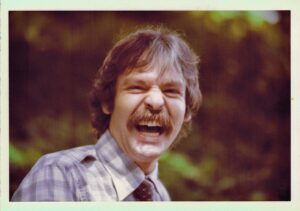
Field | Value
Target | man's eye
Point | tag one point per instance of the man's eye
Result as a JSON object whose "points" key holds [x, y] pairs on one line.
{"points": [[172, 92], [136, 88]]}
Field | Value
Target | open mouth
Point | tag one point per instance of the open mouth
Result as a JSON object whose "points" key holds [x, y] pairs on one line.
{"points": [[150, 129]]}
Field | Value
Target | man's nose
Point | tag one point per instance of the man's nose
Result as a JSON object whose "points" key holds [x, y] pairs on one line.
{"points": [[154, 100]]}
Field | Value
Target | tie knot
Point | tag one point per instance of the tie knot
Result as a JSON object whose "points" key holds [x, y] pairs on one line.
{"points": [[145, 191]]}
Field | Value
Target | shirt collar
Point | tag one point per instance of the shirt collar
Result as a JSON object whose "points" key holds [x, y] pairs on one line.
{"points": [[126, 175], [153, 176]]}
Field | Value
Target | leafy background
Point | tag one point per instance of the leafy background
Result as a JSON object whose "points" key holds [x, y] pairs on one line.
{"points": [[239, 148]]}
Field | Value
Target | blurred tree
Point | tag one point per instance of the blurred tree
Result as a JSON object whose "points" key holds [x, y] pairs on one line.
{"points": [[239, 148]]}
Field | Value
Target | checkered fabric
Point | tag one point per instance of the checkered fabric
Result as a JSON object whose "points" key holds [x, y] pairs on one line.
{"points": [[100, 172]]}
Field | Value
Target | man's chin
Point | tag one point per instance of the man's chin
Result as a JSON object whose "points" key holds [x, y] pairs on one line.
{"points": [[148, 147], [148, 153]]}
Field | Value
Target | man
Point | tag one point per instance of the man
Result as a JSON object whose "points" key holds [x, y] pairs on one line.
{"points": [[144, 96]]}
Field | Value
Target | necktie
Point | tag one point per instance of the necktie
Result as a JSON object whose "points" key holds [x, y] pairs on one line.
{"points": [[145, 191]]}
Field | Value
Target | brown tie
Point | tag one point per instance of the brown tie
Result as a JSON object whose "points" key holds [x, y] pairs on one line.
{"points": [[145, 191]]}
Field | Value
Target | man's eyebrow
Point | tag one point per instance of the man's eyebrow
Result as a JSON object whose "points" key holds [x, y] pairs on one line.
{"points": [[133, 80], [173, 83], [168, 83]]}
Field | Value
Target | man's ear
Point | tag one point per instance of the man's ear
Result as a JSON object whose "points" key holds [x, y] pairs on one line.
{"points": [[187, 117], [105, 109]]}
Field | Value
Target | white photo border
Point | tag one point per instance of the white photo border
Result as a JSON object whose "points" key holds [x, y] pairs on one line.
{"points": [[79, 5]]}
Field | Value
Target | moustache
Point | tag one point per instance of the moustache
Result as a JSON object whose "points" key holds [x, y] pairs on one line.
{"points": [[144, 115]]}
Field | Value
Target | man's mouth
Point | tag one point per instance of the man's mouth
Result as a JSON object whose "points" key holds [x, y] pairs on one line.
{"points": [[150, 129]]}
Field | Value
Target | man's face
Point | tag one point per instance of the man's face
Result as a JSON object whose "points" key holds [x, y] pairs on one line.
{"points": [[149, 110]]}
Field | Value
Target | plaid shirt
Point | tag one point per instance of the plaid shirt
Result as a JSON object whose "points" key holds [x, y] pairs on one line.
{"points": [[100, 172]]}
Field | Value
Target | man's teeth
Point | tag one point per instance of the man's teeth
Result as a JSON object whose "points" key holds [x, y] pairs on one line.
{"points": [[153, 134], [150, 124]]}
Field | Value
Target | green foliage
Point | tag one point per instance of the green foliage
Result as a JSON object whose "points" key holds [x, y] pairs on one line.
{"points": [[239, 148], [180, 164], [46, 134], [16, 157], [21, 156]]}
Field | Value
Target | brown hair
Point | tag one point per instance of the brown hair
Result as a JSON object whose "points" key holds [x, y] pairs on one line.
{"points": [[142, 48]]}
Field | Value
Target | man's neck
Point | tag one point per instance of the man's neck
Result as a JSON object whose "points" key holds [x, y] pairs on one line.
{"points": [[147, 168]]}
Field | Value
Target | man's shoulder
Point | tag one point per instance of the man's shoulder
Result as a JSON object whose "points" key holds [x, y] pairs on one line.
{"points": [[67, 158], [51, 178]]}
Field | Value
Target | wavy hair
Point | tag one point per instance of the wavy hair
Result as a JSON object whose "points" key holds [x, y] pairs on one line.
{"points": [[145, 47]]}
